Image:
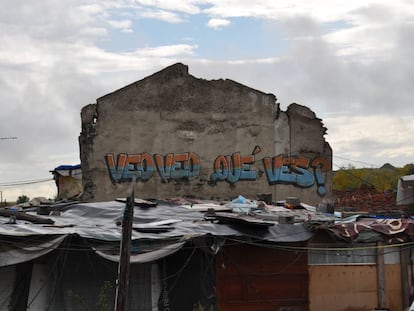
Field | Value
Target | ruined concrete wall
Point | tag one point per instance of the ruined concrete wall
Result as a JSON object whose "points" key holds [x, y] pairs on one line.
{"points": [[301, 142], [69, 187], [183, 136]]}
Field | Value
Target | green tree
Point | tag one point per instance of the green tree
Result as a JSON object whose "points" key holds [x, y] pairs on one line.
{"points": [[382, 179], [347, 178], [408, 169], [385, 179], [22, 199]]}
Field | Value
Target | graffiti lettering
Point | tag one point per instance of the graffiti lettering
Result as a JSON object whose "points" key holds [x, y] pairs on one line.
{"points": [[233, 168], [143, 166], [176, 166], [294, 170], [320, 165], [281, 169], [139, 165], [288, 170]]}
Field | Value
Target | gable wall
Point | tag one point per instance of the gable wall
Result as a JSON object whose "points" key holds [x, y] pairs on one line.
{"points": [[186, 136]]}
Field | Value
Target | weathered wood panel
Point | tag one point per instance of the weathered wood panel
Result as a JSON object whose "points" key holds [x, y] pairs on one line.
{"points": [[259, 278], [343, 287], [393, 287]]}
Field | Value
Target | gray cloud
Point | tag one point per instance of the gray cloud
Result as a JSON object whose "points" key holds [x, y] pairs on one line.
{"points": [[51, 68]]}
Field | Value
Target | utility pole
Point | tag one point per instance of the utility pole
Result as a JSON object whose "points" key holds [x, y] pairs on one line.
{"points": [[122, 286]]}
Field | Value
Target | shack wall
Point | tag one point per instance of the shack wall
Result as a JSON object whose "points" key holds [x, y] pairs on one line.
{"points": [[338, 288], [259, 278]]}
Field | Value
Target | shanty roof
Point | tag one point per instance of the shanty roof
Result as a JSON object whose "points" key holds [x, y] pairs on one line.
{"points": [[367, 229], [67, 167], [405, 191], [159, 227], [408, 178]]}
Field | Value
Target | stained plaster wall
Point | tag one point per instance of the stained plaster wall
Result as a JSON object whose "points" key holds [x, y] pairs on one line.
{"points": [[178, 134]]}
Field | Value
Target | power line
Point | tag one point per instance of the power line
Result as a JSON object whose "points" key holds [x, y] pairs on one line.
{"points": [[25, 182], [347, 159], [7, 138], [75, 247]]}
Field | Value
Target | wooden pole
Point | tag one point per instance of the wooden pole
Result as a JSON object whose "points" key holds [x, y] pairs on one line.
{"points": [[405, 272], [380, 275], [121, 298]]}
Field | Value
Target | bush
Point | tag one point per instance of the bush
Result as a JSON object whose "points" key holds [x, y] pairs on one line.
{"points": [[22, 199]]}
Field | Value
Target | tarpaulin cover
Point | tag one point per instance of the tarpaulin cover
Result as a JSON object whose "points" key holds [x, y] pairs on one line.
{"points": [[99, 223], [365, 229], [17, 250], [143, 257]]}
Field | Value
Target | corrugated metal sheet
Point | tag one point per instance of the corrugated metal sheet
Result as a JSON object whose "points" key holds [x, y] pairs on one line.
{"points": [[405, 190], [99, 224]]}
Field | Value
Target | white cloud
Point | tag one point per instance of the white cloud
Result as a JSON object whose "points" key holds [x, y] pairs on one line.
{"points": [[321, 10], [123, 25], [363, 29], [218, 23], [375, 139], [367, 109], [51, 68], [166, 51], [186, 6], [165, 16], [349, 61], [94, 61]]}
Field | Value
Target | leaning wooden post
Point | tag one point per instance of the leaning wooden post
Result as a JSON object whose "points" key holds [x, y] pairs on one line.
{"points": [[121, 298]]}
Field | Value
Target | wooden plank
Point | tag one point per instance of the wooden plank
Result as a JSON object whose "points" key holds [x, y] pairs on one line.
{"points": [[381, 276], [138, 202], [26, 217], [405, 273], [232, 218]]}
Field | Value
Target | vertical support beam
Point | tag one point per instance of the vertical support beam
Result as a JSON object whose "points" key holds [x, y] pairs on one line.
{"points": [[39, 288], [155, 285], [380, 275], [405, 273], [8, 275], [21, 288], [121, 298]]}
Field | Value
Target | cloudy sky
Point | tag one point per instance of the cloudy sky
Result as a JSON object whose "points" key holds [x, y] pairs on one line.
{"points": [[350, 61]]}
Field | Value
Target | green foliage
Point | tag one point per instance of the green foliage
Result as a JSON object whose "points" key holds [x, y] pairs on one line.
{"points": [[347, 179], [382, 179], [408, 169], [200, 307], [79, 300], [104, 302], [22, 199]]}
